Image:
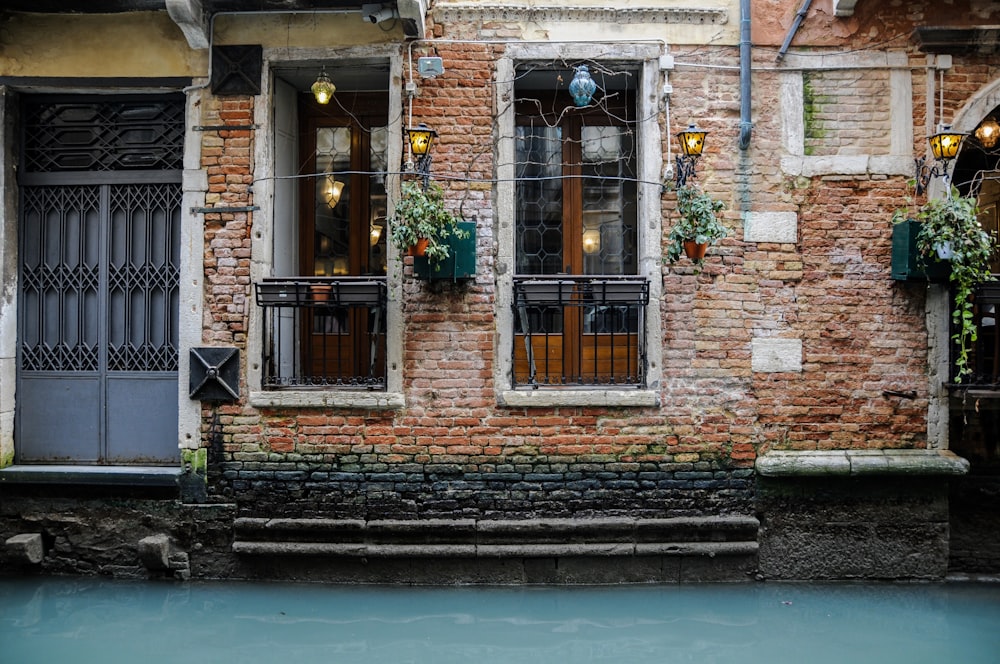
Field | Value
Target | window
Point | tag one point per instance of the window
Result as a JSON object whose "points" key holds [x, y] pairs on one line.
{"points": [[578, 301], [326, 326]]}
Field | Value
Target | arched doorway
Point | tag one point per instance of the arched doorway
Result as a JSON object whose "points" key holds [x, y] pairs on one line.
{"points": [[974, 408]]}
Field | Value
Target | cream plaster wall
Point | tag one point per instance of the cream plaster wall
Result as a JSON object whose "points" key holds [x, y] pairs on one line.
{"points": [[304, 30], [144, 44], [150, 44]]}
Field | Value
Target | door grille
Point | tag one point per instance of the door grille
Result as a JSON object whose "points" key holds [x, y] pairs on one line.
{"points": [[103, 135]]}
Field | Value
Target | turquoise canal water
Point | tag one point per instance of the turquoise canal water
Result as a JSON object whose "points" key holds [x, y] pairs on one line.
{"points": [[90, 620]]}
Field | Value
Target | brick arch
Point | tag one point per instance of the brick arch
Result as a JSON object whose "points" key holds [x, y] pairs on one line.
{"points": [[977, 107]]}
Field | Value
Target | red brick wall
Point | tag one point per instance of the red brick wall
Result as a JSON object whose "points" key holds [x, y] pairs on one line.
{"points": [[453, 450]]}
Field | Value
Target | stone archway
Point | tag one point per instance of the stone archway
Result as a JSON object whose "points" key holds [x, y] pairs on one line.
{"points": [[973, 418]]}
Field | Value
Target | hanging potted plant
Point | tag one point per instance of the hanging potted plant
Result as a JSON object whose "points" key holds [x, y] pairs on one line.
{"points": [[698, 224], [421, 225], [950, 230]]}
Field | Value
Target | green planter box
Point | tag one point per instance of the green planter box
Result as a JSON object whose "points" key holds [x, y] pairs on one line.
{"points": [[907, 264], [461, 264]]}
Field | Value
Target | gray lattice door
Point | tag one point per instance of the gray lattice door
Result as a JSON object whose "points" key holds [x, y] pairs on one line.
{"points": [[99, 287]]}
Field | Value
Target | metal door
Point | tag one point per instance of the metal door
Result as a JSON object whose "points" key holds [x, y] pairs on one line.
{"points": [[98, 297]]}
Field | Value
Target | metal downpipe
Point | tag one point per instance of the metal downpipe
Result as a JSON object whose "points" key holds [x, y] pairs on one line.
{"points": [[746, 126], [795, 28]]}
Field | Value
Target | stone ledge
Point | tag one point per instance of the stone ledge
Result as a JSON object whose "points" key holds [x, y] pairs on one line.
{"points": [[528, 538], [331, 398], [855, 463], [554, 397], [138, 476]]}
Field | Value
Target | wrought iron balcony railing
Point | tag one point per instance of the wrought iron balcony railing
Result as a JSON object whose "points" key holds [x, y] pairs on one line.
{"points": [[985, 356], [580, 331], [323, 332]]}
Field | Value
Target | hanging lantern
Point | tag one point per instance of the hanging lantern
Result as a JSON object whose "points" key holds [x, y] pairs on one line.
{"points": [[692, 141], [582, 87], [323, 88], [945, 143], [988, 132], [421, 138], [332, 189]]}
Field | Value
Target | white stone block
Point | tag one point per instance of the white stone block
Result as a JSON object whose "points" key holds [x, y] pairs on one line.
{"points": [[770, 355], [771, 227], [195, 180], [26, 547]]}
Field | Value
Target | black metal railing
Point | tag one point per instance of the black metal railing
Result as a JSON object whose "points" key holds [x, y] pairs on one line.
{"points": [[984, 358], [323, 332], [580, 331]]}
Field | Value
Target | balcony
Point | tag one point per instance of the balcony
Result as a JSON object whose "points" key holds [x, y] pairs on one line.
{"points": [[579, 331], [323, 332]]}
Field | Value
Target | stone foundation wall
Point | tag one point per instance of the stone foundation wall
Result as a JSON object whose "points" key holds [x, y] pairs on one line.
{"points": [[97, 531], [840, 529], [975, 525], [514, 488]]}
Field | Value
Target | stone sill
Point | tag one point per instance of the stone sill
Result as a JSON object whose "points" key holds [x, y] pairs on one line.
{"points": [[327, 399], [553, 397], [859, 463], [138, 476]]}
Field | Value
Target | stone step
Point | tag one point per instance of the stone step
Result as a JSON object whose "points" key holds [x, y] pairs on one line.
{"points": [[469, 538]]}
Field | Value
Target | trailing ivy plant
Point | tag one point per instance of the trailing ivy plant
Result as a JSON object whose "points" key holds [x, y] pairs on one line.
{"points": [[697, 221], [420, 214], [950, 228]]}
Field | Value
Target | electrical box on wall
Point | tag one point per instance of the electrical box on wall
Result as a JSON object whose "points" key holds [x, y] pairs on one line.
{"points": [[461, 262], [907, 264]]}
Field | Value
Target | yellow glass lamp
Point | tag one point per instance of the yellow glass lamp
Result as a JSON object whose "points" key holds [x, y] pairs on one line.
{"points": [[945, 143], [692, 141], [421, 139], [323, 88]]}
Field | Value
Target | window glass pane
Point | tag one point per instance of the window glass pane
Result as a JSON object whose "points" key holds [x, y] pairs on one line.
{"points": [[333, 202], [539, 200], [377, 204], [609, 208]]}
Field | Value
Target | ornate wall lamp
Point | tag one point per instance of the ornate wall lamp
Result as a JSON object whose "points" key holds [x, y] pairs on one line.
{"points": [[944, 147], [692, 143], [323, 88], [421, 138]]}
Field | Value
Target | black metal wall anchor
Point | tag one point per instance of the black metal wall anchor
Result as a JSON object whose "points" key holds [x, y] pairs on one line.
{"points": [[214, 374]]}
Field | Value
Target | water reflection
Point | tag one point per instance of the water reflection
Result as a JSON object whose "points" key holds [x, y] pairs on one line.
{"points": [[90, 620]]}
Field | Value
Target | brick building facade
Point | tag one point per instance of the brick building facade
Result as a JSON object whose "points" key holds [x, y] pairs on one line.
{"points": [[788, 414]]}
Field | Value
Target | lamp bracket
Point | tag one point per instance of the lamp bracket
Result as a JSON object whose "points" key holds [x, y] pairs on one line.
{"points": [[685, 169], [924, 172]]}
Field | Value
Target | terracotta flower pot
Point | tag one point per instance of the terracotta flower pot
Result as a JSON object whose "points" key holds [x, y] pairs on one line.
{"points": [[418, 249], [695, 250], [320, 292]]}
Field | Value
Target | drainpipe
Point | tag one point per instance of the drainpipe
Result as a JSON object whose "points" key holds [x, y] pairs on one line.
{"points": [[795, 28], [746, 126]]}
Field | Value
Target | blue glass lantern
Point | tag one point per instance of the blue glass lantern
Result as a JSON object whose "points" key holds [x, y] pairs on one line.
{"points": [[582, 87]]}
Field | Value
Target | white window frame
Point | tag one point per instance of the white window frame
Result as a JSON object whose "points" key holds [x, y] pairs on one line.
{"points": [[644, 57], [262, 254]]}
